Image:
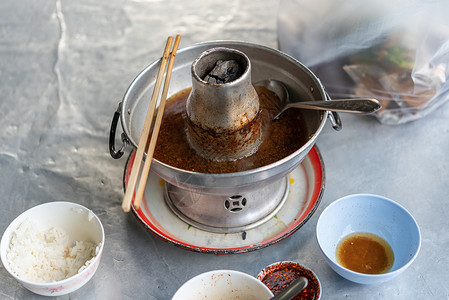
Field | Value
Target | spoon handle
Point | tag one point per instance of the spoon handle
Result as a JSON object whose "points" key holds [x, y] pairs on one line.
{"points": [[360, 105], [292, 290]]}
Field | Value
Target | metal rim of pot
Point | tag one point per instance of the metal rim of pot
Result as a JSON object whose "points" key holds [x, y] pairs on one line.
{"points": [[223, 183]]}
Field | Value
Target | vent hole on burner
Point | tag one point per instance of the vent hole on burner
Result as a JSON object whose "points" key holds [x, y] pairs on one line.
{"points": [[235, 203]]}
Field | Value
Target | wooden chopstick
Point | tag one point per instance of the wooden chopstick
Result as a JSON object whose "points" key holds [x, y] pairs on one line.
{"points": [[129, 193], [157, 125]]}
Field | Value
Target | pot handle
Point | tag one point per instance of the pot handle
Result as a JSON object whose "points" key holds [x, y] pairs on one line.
{"points": [[335, 120], [119, 153], [334, 117]]}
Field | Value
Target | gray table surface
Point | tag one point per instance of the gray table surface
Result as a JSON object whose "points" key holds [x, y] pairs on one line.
{"points": [[65, 65]]}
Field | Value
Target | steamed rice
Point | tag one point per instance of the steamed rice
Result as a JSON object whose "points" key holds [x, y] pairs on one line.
{"points": [[46, 256]]}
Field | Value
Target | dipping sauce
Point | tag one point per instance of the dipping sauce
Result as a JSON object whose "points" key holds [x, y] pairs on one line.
{"points": [[279, 276], [280, 137], [365, 252]]}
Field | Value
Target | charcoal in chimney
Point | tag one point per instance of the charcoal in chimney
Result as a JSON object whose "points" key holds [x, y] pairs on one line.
{"points": [[224, 71]]}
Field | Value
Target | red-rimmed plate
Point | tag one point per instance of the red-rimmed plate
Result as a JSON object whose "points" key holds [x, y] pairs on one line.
{"points": [[307, 183]]}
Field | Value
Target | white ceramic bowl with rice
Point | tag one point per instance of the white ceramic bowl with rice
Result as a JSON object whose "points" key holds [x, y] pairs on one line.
{"points": [[54, 248]]}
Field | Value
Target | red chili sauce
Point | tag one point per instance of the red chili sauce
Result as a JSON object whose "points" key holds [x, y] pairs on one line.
{"points": [[279, 276]]}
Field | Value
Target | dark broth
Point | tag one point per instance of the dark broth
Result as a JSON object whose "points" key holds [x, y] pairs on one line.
{"points": [[280, 138]]}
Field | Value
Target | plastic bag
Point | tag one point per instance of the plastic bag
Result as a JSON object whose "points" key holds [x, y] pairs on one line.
{"points": [[396, 51]]}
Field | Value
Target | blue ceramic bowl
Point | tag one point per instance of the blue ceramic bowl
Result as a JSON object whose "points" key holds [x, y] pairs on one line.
{"points": [[374, 214]]}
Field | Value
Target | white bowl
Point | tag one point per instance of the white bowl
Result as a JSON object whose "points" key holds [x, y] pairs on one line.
{"points": [[225, 285], [78, 222], [374, 214]]}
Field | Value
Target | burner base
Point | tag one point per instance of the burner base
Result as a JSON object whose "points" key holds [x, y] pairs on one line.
{"points": [[227, 213]]}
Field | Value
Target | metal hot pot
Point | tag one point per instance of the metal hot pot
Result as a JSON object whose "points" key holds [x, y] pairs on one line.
{"points": [[228, 202]]}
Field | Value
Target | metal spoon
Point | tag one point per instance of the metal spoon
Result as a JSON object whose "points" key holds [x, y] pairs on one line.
{"points": [[356, 105], [292, 290]]}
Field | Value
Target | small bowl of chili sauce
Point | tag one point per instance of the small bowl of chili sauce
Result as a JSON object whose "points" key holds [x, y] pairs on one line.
{"points": [[279, 275]]}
